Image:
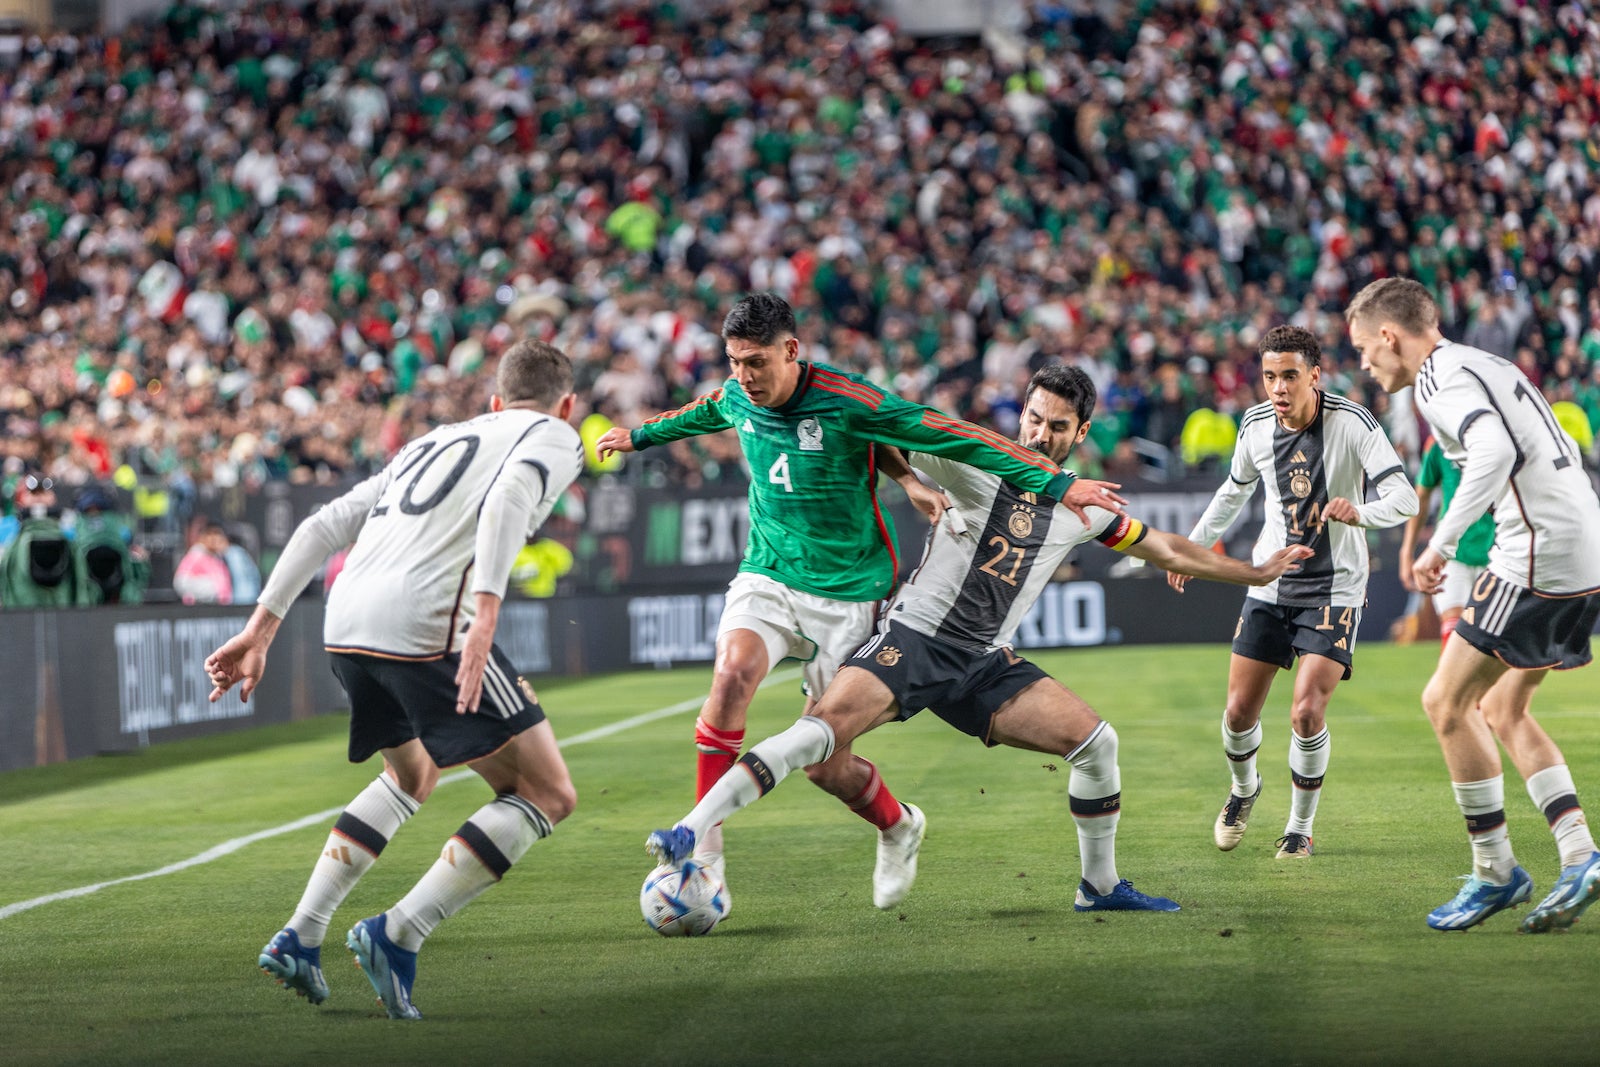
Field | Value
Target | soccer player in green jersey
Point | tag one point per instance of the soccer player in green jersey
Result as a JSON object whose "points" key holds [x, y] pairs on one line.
{"points": [[821, 550], [1472, 553]]}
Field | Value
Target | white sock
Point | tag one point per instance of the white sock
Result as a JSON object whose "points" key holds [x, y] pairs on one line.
{"points": [[475, 858], [808, 741], [1241, 751], [358, 837], [1484, 805], [1095, 795], [1554, 794], [1308, 763]]}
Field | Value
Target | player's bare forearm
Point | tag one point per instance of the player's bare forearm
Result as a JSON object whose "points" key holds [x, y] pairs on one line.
{"points": [[475, 652], [892, 461], [1408, 540], [263, 625], [924, 498], [1180, 556]]}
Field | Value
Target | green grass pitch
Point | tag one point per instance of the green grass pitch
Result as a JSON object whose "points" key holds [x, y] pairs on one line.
{"points": [[1326, 961]]}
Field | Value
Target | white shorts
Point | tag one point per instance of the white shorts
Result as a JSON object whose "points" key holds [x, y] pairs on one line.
{"points": [[819, 632], [1457, 588]]}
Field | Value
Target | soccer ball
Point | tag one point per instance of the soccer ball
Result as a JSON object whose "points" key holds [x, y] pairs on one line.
{"points": [[684, 900]]}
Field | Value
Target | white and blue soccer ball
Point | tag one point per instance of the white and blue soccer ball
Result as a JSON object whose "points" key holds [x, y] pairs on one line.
{"points": [[683, 900]]}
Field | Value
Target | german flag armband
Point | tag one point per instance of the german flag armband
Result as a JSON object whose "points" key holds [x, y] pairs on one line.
{"points": [[1123, 533]]}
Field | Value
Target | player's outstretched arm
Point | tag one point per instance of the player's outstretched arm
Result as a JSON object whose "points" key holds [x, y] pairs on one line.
{"points": [[702, 415], [1182, 557]]}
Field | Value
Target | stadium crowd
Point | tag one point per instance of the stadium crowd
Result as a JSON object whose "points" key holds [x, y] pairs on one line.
{"points": [[272, 243]]}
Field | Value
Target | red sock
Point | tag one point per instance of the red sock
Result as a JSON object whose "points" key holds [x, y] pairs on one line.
{"points": [[718, 751], [875, 803]]}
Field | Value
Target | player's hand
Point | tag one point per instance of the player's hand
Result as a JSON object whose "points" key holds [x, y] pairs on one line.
{"points": [[1177, 581], [616, 439], [469, 673], [1408, 578], [927, 500], [1284, 560], [241, 661], [1087, 493], [1429, 571], [1341, 510]]}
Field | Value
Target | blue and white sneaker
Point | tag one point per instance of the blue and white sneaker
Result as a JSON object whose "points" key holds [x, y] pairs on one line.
{"points": [[295, 967], [670, 846], [1479, 899], [1575, 890], [1123, 897], [389, 968]]}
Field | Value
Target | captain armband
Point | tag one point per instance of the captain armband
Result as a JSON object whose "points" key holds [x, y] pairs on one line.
{"points": [[1123, 534]]}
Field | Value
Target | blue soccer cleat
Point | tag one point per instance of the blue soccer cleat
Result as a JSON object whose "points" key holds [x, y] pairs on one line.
{"points": [[389, 968], [670, 847], [1575, 890], [295, 967], [1123, 897], [1479, 899]]}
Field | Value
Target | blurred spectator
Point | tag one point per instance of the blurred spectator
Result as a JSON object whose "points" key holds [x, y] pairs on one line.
{"points": [[244, 576], [33, 497], [202, 575], [233, 237]]}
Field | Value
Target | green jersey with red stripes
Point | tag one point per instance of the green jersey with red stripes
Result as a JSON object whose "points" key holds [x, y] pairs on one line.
{"points": [[816, 523]]}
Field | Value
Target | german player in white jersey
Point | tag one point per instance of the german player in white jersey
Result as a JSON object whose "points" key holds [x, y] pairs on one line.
{"points": [[410, 624], [1314, 455], [945, 644], [1532, 612]]}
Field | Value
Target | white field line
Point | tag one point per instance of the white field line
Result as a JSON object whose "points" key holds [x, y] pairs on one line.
{"points": [[216, 852]]}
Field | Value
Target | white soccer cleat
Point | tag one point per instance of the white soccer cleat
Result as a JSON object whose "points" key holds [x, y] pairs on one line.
{"points": [[897, 858], [1235, 816]]}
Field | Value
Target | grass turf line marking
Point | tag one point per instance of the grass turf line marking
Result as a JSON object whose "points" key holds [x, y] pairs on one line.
{"points": [[216, 852]]}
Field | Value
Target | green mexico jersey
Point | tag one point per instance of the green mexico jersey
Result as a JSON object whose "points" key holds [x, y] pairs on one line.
{"points": [[1439, 473], [816, 523]]}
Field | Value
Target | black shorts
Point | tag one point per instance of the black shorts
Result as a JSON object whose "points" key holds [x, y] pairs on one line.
{"points": [[962, 687], [1277, 633], [395, 700], [1528, 629]]}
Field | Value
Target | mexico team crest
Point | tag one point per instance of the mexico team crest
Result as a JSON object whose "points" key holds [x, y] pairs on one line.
{"points": [[810, 431]]}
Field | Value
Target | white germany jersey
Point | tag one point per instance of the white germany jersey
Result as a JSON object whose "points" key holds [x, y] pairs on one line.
{"points": [[974, 586], [1339, 453], [1515, 458], [406, 588]]}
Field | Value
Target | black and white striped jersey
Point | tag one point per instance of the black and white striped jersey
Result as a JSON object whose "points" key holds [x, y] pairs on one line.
{"points": [[983, 569], [1515, 458], [1339, 453], [444, 520]]}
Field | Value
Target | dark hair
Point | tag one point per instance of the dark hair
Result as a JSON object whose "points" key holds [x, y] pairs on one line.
{"points": [[760, 318], [1291, 339], [533, 371], [1069, 383], [1402, 301]]}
